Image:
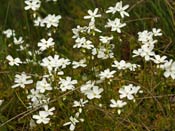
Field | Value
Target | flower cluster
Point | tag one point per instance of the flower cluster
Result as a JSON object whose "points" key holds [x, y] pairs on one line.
{"points": [[22, 80], [91, 90], [43, 85], [51, 20], [55, 63], [43, 116], [9, 33], [148, 44], [67, 84], [123, 65], [87, 77], [127, 91], [13, 61], [147, 52], [18, 41]]}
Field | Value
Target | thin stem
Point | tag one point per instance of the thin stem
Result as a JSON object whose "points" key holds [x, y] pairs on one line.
{"points": [[20, 100]]}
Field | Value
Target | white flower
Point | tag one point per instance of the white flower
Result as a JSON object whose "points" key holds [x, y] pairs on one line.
{"points": [[79, 42], [128, 91], [60, 73], [54, 63], [9, 33], [105, 39], [22, 80], [135, 89], [132, 67], [37, 98], [48, 111], [72, 123], [147, 52], [64, 62], [94, 93], [169, 68], [121, 9], [104, 52], [158, 59], [112, 10], [39, 22], [156, 32], [76, 31], [34, 95], [13, 61], [87, 87], [45, 44], [106, 74], [122, 65], [51, 20], [83, 43], [32, 4], [42, 117], [50, 62], [87, 45], [118, 103], [43, 85], [92, 15], [18, 41], [115, 25], [92, 27], [146, 38], [80, 103], [118, 8], [137, 52], [67, 84], [81, 63]]}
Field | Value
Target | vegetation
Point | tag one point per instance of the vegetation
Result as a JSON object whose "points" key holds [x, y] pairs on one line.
{"points": [[59, 77]]}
